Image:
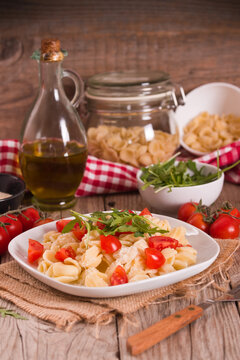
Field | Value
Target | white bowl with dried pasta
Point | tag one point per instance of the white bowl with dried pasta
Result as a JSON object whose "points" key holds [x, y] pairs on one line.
{"points": [[210, 119]]}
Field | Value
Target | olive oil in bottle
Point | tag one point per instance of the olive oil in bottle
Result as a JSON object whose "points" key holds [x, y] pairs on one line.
{"points": [[51, 176], [53, 150]]}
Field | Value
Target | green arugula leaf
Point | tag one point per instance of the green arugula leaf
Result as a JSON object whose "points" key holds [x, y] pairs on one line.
{"points": [[170, 174], [138, 234], [6, 312], [69, 226], [114, 221], [82, 222]]}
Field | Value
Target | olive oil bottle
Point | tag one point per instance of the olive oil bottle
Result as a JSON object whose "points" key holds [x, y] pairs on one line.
{"points": [[53, 151]]}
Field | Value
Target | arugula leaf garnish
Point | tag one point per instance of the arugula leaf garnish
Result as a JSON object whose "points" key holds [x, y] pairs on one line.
{"points": [[116, 221], [69, 226], [7, 312]]}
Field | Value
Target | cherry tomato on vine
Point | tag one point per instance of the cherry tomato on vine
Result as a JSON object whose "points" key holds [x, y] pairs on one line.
{"points": [[162, 242], [64, 253], [28, 218], [15, 226], [119, 276], [186, 210], [35, 250], [4, 240], [110, 243], [154, 258], [224, 227], [235, 213], [197, 219]]}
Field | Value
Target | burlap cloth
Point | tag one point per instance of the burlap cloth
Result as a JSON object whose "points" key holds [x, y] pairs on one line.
{"points": [[64, 310]]}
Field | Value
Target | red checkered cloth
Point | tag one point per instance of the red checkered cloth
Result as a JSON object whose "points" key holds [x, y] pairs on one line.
{"points": [[9, 157], [228, 155], [102, 177]]}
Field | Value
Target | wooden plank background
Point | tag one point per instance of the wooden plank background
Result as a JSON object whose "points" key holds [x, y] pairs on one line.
{"points": [[195, 41]]}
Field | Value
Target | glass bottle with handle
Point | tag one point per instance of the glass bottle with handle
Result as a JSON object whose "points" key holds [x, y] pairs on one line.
{"points": [[53, 150]]}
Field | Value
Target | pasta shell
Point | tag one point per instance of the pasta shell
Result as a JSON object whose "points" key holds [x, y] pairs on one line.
{"points": [[129, 157]]}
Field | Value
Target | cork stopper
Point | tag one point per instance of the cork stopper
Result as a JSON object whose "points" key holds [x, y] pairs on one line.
{"points": [[50, 45], [51, 50]]}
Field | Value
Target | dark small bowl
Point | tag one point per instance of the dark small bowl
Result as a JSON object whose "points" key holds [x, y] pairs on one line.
{"points": [[13, 185]]}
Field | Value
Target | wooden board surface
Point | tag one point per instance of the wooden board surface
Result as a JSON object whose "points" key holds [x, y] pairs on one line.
{"points": [[194, 41], [215, 336]]}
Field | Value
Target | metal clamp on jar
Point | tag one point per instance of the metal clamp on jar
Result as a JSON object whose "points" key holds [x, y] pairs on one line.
{"points": [[131, 117]]}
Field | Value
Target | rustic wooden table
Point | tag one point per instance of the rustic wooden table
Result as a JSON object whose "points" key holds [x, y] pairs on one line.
{"points": [[215, 336]]}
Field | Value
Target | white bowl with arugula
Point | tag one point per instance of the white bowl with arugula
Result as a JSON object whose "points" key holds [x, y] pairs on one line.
{"points": [[166, 186]]}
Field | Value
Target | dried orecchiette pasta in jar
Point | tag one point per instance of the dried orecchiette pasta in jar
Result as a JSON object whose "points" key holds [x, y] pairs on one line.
{"points": [[130, 117]]}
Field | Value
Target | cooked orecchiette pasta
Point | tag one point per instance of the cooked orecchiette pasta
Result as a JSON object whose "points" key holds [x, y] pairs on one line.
{"points": [[131, 145], [185, 257], [63, 272], [87, 263]]}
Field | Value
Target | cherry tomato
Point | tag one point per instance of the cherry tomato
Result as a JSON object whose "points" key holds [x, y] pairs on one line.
{"points": [[42, 222], [79, 232], [28, 218], [4, 240], [154, 258], [224, 227], [186, 210], [145, 211], [64, 253], [235, 213], [197, 219], [119, 276], [15, 226], [100, 225], [60, 224], [162, 242], [118, 233], [110, 243], [35, 250], [130, 211]]}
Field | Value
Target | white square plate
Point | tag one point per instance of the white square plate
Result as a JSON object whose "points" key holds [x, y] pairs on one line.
{"points": [[207, 251]]}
